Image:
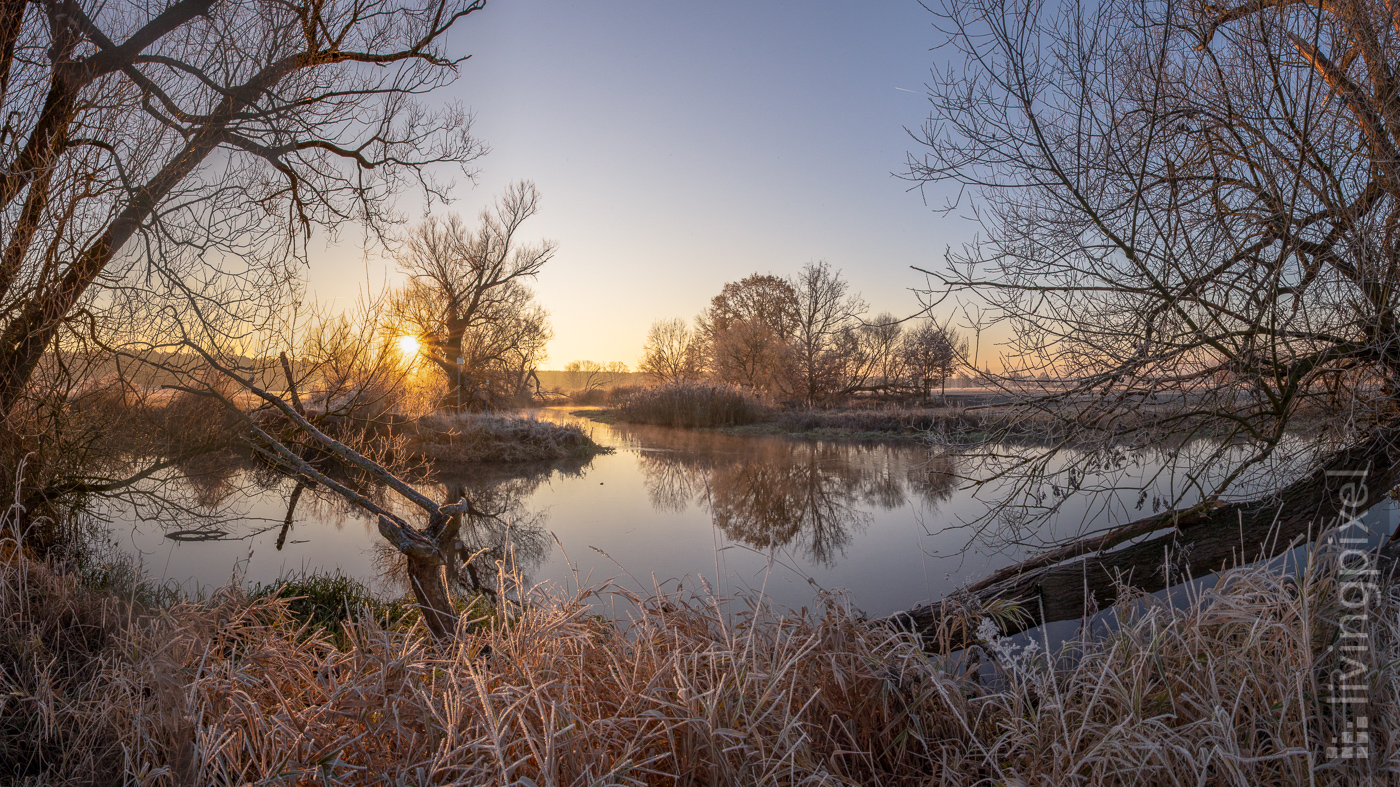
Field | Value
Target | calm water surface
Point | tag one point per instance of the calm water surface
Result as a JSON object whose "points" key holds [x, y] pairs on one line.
{"points": [[764, 514]]}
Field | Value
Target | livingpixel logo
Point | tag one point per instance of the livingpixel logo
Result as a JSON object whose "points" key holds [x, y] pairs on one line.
{"points": [[1347, 687]]}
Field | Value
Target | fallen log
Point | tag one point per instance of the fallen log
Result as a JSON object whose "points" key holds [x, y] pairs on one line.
{"points": [[1080, 578]]}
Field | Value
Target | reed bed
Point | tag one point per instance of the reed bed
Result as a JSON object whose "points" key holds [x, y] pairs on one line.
{"points": [[1220, 691], [692, 405], [587, 397]]}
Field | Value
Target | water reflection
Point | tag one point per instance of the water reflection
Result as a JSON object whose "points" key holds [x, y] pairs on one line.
{"points": [[893, 523], [809, 497], [512, 537], [818, 502], [239, 515]]}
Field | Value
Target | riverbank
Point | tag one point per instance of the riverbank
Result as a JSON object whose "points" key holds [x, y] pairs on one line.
{"points": [[733, 410], [899, 424], [96, 689], [869, 423], [454, 438], [183, 423]]}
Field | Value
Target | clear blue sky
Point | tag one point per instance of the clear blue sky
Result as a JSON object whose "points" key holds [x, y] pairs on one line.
{"points": [[678, 146]]}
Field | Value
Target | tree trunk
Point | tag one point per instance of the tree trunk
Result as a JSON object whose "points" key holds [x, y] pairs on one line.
{"points": [[427, 569], [26, 338], [429, 581], [428, 551], [1056, 586]]}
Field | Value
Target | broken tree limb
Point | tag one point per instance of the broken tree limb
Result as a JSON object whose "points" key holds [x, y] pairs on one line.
{"points": [[1080, 578], [428, 552], [409, 541], [335, 448], [292, 385]]}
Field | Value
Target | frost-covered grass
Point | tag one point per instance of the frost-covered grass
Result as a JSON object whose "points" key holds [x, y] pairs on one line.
{"points": [[497, 438], [240, 690]]}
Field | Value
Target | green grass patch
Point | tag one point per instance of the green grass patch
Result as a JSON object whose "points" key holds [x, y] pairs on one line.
{"points": [[328, 601]]}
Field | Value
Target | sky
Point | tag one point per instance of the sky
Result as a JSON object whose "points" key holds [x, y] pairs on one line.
{"points": [[679, 146]]}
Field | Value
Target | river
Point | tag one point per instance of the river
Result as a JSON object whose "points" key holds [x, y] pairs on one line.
{"points": [[887, 522]]}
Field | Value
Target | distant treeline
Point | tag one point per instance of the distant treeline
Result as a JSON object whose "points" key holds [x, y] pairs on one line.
{"points": [[157, 369], [804, 339], [568, 380]]}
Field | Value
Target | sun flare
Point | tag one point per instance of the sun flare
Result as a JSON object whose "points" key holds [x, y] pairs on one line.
{"points": [[409, 345]]}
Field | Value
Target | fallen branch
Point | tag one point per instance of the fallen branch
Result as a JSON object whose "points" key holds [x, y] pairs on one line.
{"points": [[1080, 578], [429, 551]]}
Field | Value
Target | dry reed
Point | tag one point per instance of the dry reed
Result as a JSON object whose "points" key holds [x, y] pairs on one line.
{"points": [[1221, 690], [691, 405]]}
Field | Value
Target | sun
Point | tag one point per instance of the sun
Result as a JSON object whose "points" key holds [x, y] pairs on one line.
{"points": [[409, 345]]}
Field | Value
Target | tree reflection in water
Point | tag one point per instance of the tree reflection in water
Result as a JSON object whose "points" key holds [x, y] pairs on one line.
{"points": [[512, 541], [812, 497], [204, 498]]}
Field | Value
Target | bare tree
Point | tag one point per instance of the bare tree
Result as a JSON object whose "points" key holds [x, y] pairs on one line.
{"points": [[162, 169], [613, 372], [503, 352], [347, 369], [932, 353], [168, 163], [672, 353], [151, 149], [822, 335], [747, 330], [464, 283], [881, 341], [1191, 215], [584, 375], [800, 337]]}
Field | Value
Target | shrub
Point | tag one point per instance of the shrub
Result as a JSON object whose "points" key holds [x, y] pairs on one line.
{"points": [[191, 423], [464, 437], [621, 393], [589, 396], [692, 405]]}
